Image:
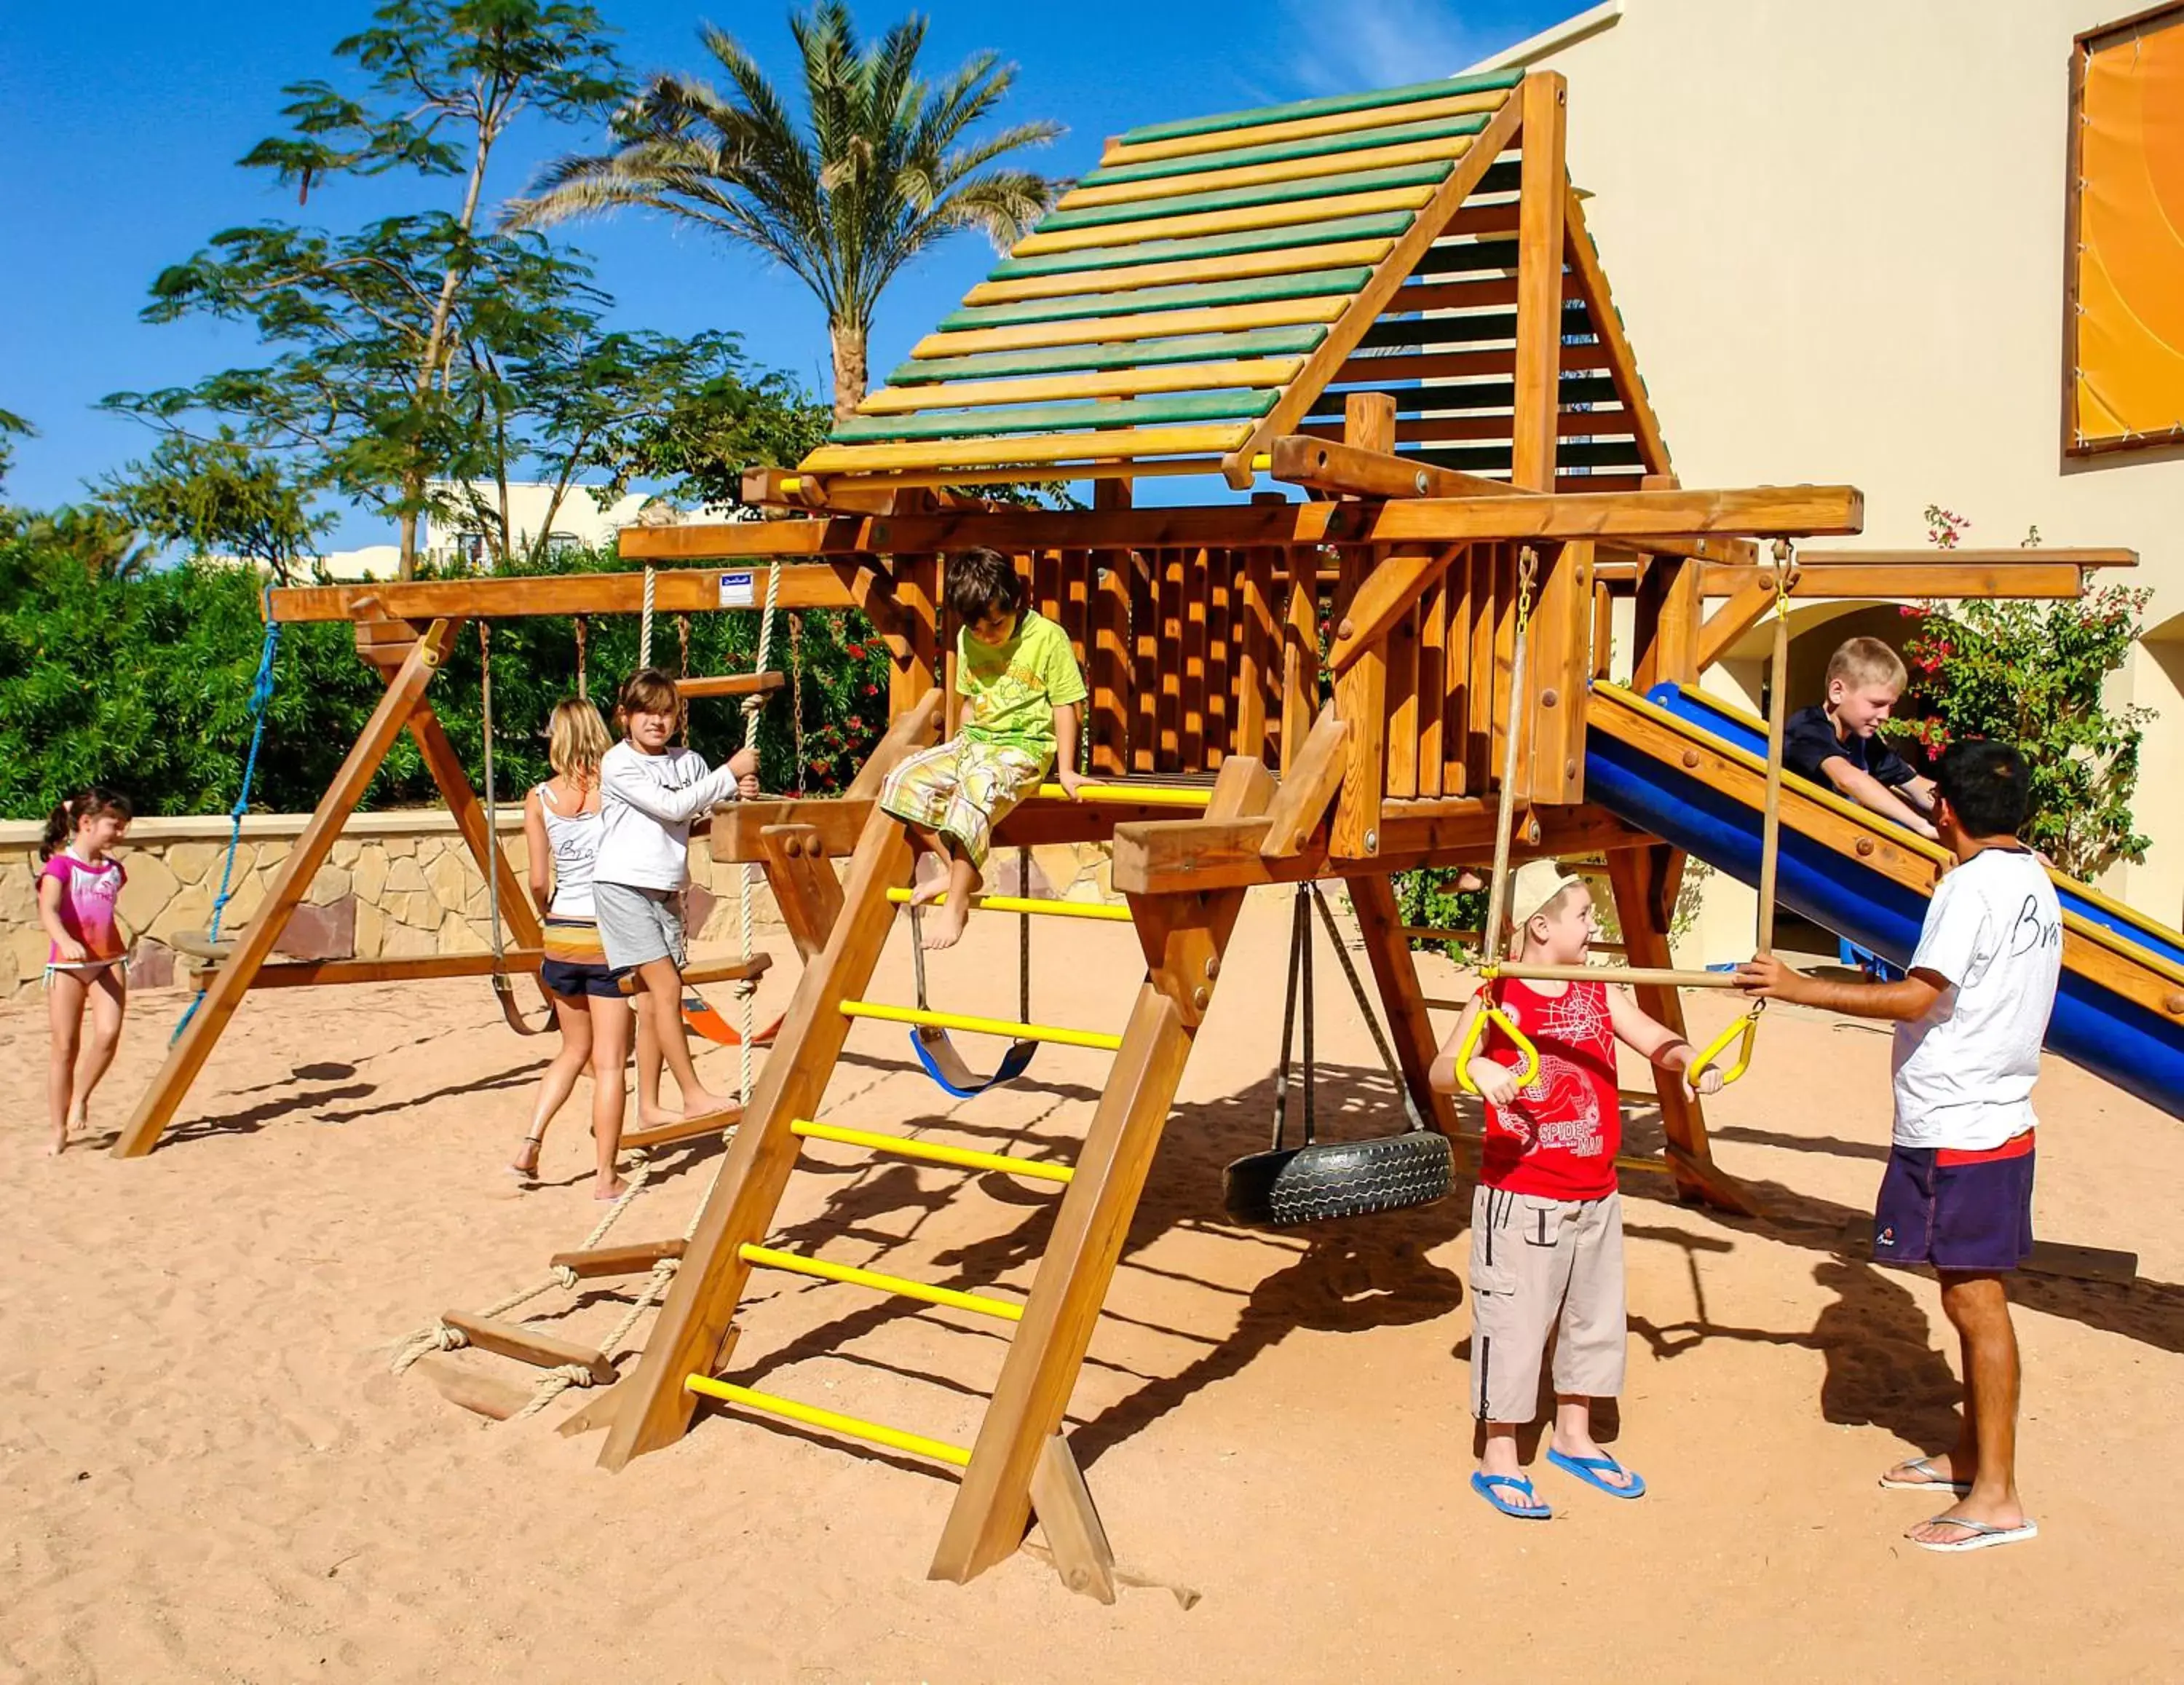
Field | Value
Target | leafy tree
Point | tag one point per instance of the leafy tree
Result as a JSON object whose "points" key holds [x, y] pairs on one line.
{"points": [[12, 427], [881, 166], [374, 327], [100, 543], [219, 497], [712, 429]]}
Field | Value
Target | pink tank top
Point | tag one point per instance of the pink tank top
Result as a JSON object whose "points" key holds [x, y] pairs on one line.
{"points": [[88, 895]]}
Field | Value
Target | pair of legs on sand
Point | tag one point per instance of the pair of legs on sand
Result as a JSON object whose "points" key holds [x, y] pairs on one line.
{"points": [[1981, 1466], [595, 1033], [77, 1062]]}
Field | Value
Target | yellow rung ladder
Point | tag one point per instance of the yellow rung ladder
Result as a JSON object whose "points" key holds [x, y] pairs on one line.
{"points": [[795, 1264], [984, 1026], [933, 1152], [1042, 906], [1141, 795], [853, 1427]]}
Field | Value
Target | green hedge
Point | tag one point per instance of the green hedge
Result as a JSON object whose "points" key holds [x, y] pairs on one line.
{"points": [[144, 684]]}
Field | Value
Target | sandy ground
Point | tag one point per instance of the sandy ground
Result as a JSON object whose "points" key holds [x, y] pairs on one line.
{"points": [[207, 1471]]}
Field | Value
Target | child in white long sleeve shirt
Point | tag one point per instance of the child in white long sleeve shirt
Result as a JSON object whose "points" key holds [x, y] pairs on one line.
{"points": [[650, 792]]}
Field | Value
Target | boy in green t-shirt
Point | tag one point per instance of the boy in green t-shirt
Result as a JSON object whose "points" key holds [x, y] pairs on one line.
{"points": [[1022, 693]]}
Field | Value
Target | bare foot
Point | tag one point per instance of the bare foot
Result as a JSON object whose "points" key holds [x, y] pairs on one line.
{"points": [[1944, 1528], [613, 1190], [652, 1117], [700, 1103], [57, 1145], [925, 894], [526, 1162], [946, 927], [1579, 1447]]}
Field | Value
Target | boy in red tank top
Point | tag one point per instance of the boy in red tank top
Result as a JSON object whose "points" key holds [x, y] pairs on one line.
{"points": [[1546, 1221]]}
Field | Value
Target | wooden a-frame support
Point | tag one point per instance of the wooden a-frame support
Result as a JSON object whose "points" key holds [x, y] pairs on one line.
{"points": [[413, 662]]}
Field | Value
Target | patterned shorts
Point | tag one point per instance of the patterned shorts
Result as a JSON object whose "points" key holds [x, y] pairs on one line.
{"points": [[962, 789]]}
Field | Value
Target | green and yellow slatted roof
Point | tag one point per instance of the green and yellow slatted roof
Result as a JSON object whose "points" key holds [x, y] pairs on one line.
{"points": [[1218, 280]]}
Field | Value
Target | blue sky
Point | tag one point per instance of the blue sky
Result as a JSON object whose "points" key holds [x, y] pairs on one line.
{"points": [[121, 123]]}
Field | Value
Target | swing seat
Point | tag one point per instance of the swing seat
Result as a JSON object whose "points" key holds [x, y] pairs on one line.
{"points": [[946, 1065], [1335, 1179], [200, 946], [699, 1014]]}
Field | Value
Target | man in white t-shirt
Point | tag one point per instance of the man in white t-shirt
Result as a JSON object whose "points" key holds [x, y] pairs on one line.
{"points": [[1958, 1193]]}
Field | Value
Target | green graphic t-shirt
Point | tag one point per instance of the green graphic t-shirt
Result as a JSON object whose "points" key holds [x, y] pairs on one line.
{"points": [[1011, 690]]}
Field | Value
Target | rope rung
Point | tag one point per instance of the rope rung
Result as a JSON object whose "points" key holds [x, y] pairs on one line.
{"points": [[933, 1152], [794, 1264], [852, 1427]]}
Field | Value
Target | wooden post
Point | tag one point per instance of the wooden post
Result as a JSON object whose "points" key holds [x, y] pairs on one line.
{"points": [[917, 599], [1402, 1001], [1540, 282], [1074, 1531], [1256, 660], [1360, 694], [1109, 679], [805, 887], [446, 767], [1561, 647], [156, 1109], [1665, 637], [1300, 653], [694, 1322], [1183, 938], [1643, 882]]}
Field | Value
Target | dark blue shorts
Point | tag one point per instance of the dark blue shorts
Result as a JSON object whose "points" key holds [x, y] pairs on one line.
{"points": [[573, 982], [1968, 1212]]}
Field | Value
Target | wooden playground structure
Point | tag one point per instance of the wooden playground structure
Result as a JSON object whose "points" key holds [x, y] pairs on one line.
{"points": [[1280, 690]]}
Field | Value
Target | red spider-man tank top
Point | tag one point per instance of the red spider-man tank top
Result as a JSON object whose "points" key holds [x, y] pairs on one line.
{"points": [[1559, 1141]]}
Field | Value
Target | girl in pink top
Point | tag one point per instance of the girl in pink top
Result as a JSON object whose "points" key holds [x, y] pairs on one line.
{"points": [[78, 891]]}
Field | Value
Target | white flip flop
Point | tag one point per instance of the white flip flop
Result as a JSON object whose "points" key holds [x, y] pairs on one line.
{"points": [[1956, 1488], [1979, 1535]]}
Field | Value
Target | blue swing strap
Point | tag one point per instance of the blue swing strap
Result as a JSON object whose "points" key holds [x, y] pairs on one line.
{"points": [[943, 1061], [261, 702]]}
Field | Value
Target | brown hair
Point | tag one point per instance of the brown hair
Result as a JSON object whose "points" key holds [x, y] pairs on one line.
{"points": [[67, 818], [648, 691], [576, 739], [982, 583], [1867, 661]]}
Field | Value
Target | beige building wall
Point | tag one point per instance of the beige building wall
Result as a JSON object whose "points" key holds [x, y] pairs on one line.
{"points": [[1836, 234]]}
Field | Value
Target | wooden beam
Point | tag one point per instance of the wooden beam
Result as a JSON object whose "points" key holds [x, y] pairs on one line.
{"points": [[468, 814], [1948, 579], [1590, 277], [910, 731], [675, 591], [1403, 1001], [1435, 212], [1643, 884], [528, 1345], [1360, 699], [1559, 681], [1666, 624], [1721, 629], [1307, 787], [156, 1108], [1388, 592], [2040, 555], [1257, 666], [694, 1323], [993, 1505], [1328, 465], [1071, 1521], [316, 973], [1544, 98], [1299, 654], [805, 887]]}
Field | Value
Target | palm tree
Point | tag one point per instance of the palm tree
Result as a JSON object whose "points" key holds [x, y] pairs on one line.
{"points": [[879, 170]]}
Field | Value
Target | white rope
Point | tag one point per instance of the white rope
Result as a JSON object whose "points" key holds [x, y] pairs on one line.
{"points": [[644, 627], [754, 706]]}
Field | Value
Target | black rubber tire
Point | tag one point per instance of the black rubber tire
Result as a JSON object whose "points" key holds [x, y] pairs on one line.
{"points": [[1332, 1179]]}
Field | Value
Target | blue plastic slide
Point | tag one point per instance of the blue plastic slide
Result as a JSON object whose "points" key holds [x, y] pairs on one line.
{"points": [[1692, 772]]}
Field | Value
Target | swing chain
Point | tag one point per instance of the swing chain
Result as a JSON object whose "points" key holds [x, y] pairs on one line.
{"points": [[796, 692], [1528, 568], [682, 639], [491, 860]]}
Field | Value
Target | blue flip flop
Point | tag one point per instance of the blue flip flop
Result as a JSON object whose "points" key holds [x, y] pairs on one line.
{"points": [[1590, 1469], [1531, 1510]]}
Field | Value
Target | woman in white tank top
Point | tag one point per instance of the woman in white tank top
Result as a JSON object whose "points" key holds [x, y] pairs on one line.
{"points": [[561, 835]]}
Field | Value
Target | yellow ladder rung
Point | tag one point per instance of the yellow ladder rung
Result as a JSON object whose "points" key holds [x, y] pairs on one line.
{"points": [[1047, 906], [982, 1026], [766, 1257], [853, 1427], [1143, 795], [963, 1157]]}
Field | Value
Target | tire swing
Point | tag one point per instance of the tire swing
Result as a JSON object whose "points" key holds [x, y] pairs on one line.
{"points": [[1286, 1185], [943, 1060]]}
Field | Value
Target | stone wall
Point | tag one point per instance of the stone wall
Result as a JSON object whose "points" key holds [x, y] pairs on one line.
{"points": [[397, 885]]}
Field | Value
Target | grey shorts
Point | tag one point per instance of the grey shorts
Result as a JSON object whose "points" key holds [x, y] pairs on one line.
{"points": [[638, 926], [1541, 1268]]}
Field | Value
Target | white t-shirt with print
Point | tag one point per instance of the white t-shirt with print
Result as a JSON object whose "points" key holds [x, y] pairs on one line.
{"points": [[1964, 1072]]}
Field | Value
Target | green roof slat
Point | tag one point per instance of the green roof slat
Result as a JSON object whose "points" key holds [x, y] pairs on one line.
{"points": [[1381, 225], [1331, 106], [1281, 152], [1197, 348], [1236, 199], [1050, 418], [1312, 285]]}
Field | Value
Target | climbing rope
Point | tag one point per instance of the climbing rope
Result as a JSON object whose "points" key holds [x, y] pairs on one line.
{"points": [[583, 694], [261, 702], [644, 626], [754, 706]]}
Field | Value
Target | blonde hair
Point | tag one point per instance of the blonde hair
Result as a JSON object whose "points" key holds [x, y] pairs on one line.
{"points": [[576, 739], [1867, 661]]}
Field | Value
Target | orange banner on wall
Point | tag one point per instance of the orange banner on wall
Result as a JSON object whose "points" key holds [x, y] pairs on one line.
{"points": [[2127, 366]]}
